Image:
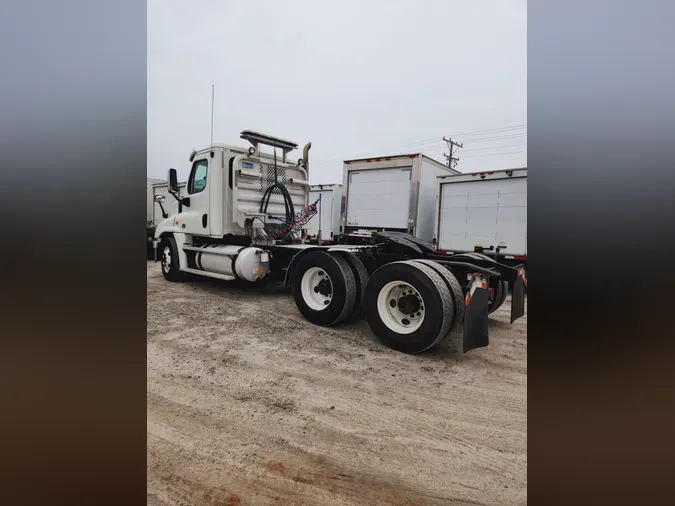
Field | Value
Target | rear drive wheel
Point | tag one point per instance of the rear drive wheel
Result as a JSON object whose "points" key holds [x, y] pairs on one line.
{"points": [[169, 260], [408, 306], [324, 288], [361, 278], [455, 292], [497, 296]]}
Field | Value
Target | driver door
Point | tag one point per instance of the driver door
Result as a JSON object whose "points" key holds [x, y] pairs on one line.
{"points": [[195, 218]]}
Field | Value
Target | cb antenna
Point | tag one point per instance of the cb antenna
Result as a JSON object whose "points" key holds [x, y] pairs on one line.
{"points": [[213, 95]]}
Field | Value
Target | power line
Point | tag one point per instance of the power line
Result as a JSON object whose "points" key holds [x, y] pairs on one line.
{"points": [[496, 138], [497, 147], [436, 152], [492, 130], [427, 142], [337, 161], [436, 139], [435, 155], [495, 154]]}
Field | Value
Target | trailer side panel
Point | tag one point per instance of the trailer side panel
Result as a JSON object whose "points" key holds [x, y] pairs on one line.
{"points": [[429, 172]]}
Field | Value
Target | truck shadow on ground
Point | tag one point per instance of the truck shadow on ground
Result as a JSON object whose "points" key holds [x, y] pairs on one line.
{"points": [[239, 286], [355, 329]]}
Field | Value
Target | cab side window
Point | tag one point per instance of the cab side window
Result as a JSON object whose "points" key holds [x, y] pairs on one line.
{"points": [[197, 181]]}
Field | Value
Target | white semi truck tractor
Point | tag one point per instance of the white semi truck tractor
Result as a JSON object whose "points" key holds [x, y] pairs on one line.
{"points": [[244, 216]]}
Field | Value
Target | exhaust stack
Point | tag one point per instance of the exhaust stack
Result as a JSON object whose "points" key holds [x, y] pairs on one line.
{"points": [[305, 157]]}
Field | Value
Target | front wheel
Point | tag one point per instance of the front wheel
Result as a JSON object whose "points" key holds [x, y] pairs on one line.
{"points": [[169, 260]]}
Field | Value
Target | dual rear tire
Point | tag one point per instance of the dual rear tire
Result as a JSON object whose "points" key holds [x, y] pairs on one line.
{"points": [[410, 306], [328, 288], [498, 290]]}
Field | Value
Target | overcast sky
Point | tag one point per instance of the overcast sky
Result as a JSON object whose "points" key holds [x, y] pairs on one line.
{"points": [[356, 78]]}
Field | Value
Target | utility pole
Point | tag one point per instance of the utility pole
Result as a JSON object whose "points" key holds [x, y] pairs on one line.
{"points": [[452, 161]]}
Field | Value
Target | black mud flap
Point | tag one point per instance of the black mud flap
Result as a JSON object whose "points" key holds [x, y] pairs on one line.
{"points": [[518, 297], [476, 318]]}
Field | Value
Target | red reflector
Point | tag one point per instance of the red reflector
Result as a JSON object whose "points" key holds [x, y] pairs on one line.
{"points": [[474, 174], [388, 158], [378, 159], [412, 156], [441, 251], [490, 172], [348, 163], [519, 258], [368, 161]]}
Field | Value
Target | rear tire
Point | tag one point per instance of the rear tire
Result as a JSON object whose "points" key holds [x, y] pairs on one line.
{"points": [[408, 306], [455, 291], [361, 278], [170, 261], [498, 294], [324, 288]]}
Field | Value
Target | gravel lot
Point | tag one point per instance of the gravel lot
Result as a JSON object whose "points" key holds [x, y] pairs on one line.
{"points": [[250, 404]]}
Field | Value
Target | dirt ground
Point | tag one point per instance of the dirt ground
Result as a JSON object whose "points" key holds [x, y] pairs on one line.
{"points": [[250, 404]]}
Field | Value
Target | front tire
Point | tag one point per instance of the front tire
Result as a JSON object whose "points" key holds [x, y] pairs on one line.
{"points": [[169, 260]]}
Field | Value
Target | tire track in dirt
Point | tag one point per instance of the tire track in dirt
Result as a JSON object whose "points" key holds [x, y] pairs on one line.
{"points": [[248, 402]]}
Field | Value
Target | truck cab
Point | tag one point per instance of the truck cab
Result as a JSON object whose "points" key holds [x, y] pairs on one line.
{"points": [[225, 187]]}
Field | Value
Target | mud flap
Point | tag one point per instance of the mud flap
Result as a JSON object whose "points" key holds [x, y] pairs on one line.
{"points": [[518, 296], [476, 315]]}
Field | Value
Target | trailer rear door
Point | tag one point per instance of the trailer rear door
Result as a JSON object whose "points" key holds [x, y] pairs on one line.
{"points": [[485, 212], [379, 198]]}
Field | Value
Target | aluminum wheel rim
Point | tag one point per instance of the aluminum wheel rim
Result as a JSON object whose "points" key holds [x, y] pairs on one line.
{"points": [[401, 307], [316, 288], [166, 259]]}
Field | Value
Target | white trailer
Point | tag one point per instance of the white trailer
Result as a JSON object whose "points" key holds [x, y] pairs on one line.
{"points": [[483, 212], [327, 218], [390, 193]]}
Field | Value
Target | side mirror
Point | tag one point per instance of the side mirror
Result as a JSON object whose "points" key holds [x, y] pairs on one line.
{"points": [[173, 190], [173, 181], [159, 199]]}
